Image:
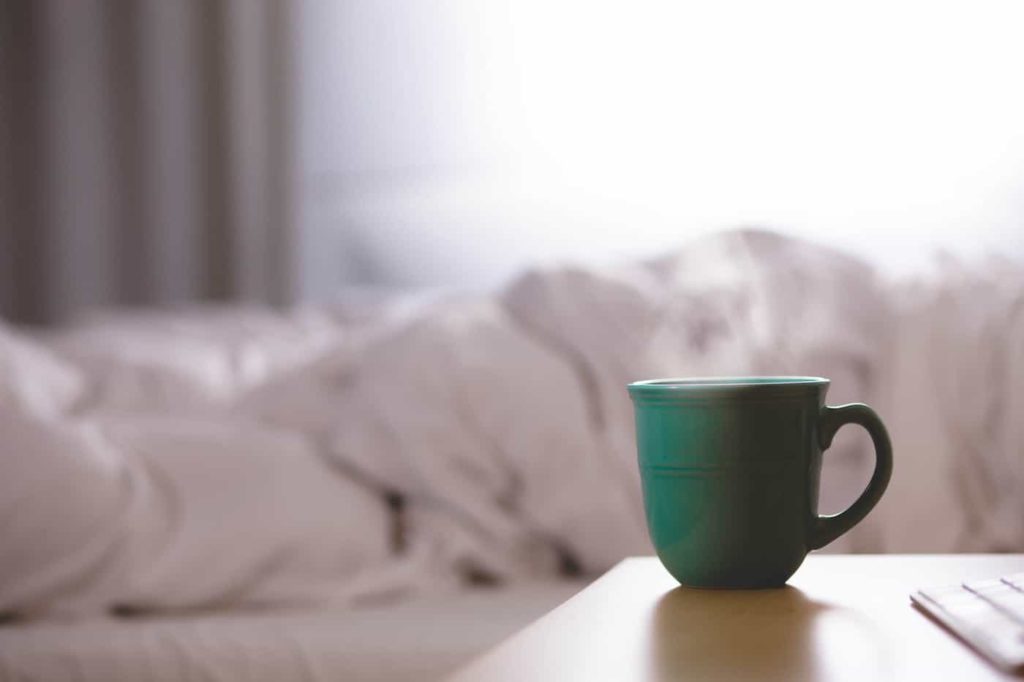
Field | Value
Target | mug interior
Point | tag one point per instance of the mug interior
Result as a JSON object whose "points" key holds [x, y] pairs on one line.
{"points": [[728, 381], [685, 388]]}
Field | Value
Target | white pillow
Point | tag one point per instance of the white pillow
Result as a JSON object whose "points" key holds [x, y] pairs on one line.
{"points": [[175, 514], [33, 380], [145, 371], [188, 362], [64, 502], [238, 513]]}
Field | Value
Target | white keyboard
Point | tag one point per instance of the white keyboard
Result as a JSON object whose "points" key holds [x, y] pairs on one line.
{"points": [[987, 614]]}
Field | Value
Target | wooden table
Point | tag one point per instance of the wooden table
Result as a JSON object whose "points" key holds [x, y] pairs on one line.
{"points": [[840, 618]]}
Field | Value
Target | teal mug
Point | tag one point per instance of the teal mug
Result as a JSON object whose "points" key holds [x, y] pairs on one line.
{"points": [[730, 469]]}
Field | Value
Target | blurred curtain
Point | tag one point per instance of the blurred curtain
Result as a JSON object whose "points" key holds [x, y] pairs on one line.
{"points": [[145, 154]]}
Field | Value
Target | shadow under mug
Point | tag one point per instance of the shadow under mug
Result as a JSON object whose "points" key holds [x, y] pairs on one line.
{"points": [[730, 469]]}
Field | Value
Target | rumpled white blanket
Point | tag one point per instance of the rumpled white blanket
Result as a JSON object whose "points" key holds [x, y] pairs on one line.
{"points": [[953, 397], [513, 412], [241, 457]]}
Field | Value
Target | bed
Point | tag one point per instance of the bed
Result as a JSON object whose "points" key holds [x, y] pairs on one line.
{"points": [[418, 639], [323, 493]]}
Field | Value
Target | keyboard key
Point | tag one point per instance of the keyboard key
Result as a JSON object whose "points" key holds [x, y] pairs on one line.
{"points": [[978, 613], [1015, 580], [1002, 595]]}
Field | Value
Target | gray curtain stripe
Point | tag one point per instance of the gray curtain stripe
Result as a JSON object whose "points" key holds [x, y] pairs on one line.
{"points": [[146, 154], [24, 72], [128, 130], [216, 249], [280, 261]]}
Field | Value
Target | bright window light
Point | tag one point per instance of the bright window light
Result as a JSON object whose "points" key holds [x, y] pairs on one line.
{"points": [[613, 128]]}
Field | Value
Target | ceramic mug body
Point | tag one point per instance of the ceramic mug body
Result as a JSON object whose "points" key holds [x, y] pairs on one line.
{"points": [[730, 469]]}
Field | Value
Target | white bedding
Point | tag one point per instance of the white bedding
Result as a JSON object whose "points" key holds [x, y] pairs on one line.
{"points": [[170, 513], [233, 458], [512, 411], [418, 640]]}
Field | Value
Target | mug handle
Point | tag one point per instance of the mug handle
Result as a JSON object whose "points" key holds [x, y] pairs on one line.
{"points": [[825, 529]]}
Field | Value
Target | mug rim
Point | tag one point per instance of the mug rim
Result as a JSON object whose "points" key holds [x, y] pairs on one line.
{"points": [[691, 386]]}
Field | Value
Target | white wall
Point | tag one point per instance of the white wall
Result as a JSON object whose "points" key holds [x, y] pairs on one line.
{"points": [[452, 142]]}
